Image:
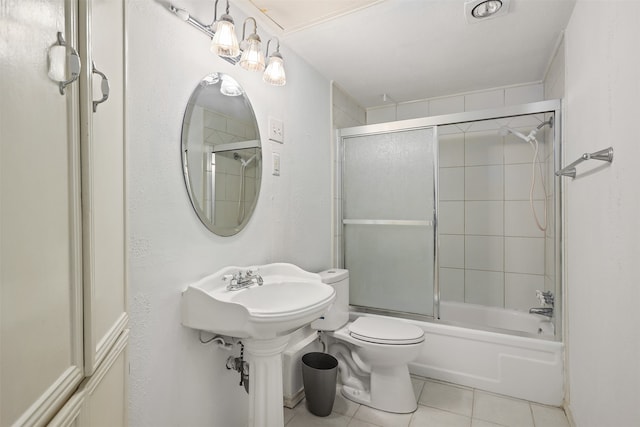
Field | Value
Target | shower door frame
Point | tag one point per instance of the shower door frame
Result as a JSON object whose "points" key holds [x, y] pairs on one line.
{"points": [[541, 107]]}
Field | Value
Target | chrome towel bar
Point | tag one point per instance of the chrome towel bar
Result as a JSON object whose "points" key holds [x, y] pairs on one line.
{"points": [[605, 155]]}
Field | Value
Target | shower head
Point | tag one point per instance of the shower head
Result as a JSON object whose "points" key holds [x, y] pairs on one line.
{"points": [[244, 162], [504, 131]]}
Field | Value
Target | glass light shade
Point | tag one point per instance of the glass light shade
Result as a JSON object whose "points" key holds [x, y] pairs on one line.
{"points": [[274, 74], [225, 42], [252, 57], [230, 87]]}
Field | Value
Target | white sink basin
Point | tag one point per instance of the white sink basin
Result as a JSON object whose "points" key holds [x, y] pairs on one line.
{"points": [[288, 299]]}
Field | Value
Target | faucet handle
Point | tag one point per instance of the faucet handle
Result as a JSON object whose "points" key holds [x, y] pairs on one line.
{"points": [[227, 277]]}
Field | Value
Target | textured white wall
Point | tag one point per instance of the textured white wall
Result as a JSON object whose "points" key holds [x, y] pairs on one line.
{"points": [[174, 379], [602, 213]]}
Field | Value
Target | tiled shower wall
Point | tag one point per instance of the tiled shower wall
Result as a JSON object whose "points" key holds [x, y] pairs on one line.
{"points": [[215, 129], [491, 251]]}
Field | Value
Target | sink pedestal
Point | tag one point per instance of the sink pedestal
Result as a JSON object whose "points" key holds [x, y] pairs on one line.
{"points": [[265, 380]]}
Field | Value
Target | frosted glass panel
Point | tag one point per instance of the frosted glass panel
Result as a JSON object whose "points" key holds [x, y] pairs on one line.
{"points": [[390, 267], [390, 177]]}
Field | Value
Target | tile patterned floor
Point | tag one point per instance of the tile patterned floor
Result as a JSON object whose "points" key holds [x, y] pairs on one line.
{"points": [[439, 405]]}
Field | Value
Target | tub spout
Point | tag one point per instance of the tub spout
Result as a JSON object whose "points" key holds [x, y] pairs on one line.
{"points": [[544, 311]]}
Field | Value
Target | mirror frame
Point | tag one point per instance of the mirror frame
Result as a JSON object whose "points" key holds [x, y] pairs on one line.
{"points": [[224, 231]]}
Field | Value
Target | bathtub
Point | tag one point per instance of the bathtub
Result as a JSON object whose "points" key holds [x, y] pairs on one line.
{"points": [[525, 365], [496, 318]]}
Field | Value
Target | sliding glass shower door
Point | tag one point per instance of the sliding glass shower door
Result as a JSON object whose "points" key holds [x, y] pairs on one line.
{"points": [[388, 212]]}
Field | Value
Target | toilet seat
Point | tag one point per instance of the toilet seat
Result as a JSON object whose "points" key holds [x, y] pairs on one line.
{"points": [[379, 330]]}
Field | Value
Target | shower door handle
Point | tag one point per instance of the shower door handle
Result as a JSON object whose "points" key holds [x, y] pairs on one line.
{"points": [[104, 86], [59, 61]]}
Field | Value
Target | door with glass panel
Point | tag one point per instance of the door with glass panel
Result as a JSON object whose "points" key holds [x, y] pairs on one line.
{"points": [[388, 211]]}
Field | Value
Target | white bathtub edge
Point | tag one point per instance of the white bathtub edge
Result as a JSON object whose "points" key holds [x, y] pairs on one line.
{"points": [[519, 367]]}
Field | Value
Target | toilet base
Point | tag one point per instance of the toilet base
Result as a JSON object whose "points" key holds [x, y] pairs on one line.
{"points": [[391, 391]]}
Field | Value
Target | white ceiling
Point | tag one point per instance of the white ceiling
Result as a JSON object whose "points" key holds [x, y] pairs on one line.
{"points": [[415, 49]]}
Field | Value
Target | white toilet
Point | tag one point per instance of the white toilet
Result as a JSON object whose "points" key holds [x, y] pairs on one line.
{"points": [[372, 352]]}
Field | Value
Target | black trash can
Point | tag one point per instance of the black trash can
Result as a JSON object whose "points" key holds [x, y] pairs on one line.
{"points": [[319, 374]]}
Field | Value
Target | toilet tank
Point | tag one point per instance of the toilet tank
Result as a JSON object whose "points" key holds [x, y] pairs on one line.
{"points": [[338, 313]]}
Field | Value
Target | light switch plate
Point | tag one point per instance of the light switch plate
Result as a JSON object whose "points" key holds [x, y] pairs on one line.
{"points": [[276, 130], [276, 164]]}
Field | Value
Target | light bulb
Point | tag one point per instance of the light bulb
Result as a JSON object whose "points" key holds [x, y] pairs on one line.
{"points": [[274, 74], [252, 57], [225, 42]]}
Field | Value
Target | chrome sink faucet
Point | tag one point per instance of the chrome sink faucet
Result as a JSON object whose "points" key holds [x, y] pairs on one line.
{"points": [[242, 280]]}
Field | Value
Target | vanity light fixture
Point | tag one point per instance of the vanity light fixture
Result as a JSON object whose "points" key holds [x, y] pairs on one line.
{"points": [[224, 42], [248, 53], [274, 74], [252, 57]]}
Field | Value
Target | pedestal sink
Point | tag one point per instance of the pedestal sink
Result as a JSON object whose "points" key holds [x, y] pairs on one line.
{"points": [[263, 315]]}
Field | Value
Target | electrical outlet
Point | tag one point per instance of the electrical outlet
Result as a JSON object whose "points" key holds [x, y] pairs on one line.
{"points": [[276, 130]]}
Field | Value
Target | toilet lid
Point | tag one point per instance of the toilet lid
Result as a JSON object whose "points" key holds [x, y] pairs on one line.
{"points": [[385, 331]]}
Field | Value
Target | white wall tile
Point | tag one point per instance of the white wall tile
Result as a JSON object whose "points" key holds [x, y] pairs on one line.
{"points": [[381, 114], [449, 129], [413, 110], [483, 183], [342, 119], [449, 105], [549, 257], [524, 255], [484, 287], [220, 186], [524, 94], [484, 218], [518, 151], [520, 290], [451, 184], [451, 217], [484, 125], [484, 100], [518, 182], [451, 284], [232, 184], [235, 128], [528, 122], [483, 148], [518, 220], [451, 150], [451, 251], [484, 253]]}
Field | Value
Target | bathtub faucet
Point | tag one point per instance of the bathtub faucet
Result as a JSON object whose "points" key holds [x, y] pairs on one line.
{"points": [[242, 280], [544, 311], [545, 298]]}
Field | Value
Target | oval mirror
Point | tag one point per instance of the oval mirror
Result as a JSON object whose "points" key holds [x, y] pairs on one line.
{"points": [[221, 154]]}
